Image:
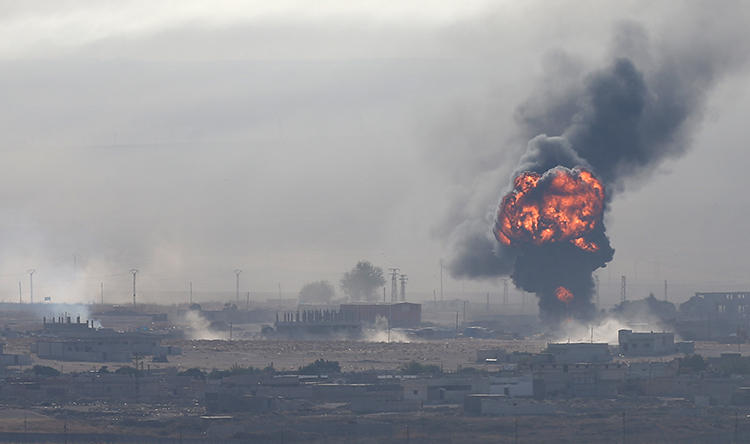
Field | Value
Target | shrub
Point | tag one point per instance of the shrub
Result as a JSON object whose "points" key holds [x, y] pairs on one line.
{"points": [[319, 367], [415, 368]]}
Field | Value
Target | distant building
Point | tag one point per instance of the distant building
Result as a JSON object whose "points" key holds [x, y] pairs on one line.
{"points": [[399, 315], [348, 321], [10, 359], [64, 340], [734, 304], [578, 380], [651, 344]]}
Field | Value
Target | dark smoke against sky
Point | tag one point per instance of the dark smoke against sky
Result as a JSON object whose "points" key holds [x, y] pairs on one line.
{"points": [[188, 139], [621, 121]]}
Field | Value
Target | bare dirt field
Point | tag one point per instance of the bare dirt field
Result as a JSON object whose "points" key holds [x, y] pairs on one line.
{"points": [[290, 354]]}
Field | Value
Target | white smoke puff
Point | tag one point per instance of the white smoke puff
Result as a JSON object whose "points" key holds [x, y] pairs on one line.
{"points": [[379, 332], [605, 330], [198, 327]]}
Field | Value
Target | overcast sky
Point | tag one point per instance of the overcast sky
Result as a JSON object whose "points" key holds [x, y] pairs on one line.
{"points": [[291, 139]]}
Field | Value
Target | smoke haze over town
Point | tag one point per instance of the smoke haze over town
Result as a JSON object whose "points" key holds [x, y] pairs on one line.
{"points": [[291, 141]]}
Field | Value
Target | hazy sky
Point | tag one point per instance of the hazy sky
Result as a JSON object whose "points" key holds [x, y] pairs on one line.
{"points": [[291, 139]]}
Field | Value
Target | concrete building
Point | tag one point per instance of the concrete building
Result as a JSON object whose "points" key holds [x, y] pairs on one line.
{"points": [[513, 386], [346, 322], [308, 324], [733, 304], [65, 340], [578, 380], [717, 316], [399, 315], [651, 344], [11, 359]]}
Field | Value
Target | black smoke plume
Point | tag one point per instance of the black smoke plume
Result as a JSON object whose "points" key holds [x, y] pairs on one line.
{"points": [[619, 122]]}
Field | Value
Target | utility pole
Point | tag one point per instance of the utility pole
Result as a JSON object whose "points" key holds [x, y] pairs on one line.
{"points": [[403, 280], [441, 281], [134, 272], [666, 298], [623, 289], [191, 292], [237, 272], [31, 285], [505, 292], [20, 297], [464, 318], [394, 285], [101, 293]]}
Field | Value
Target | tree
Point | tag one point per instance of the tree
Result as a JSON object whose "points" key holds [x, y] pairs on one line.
{"points": [[320, 366], [415, 368], [692, 364], [128, 370], [193, 372], [361, 282], [317, 292]]}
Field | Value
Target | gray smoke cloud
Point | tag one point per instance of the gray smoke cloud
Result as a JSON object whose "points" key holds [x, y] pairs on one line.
{"points": [[619, 121]]}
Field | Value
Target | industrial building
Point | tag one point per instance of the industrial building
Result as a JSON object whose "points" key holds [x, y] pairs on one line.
{"points": [[11, 359], [348, 321], [398, 315], [65, 340], [314, 323]]}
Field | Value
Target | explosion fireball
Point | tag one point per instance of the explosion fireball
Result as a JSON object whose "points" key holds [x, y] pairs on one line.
{"points": [[553, 223], [563, 205], [563, 294]]}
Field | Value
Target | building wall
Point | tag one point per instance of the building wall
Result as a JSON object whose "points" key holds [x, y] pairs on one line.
{"points": [[512, 386], [400, 315], [103, 348], [646, 344]]}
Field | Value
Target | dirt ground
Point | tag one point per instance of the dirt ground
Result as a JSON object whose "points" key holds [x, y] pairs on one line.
{"points": [[289, 354], [352, 355]]}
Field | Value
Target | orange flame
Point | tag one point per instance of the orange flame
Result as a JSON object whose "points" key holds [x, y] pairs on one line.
{"points": [[565, 209], [563, 294]]}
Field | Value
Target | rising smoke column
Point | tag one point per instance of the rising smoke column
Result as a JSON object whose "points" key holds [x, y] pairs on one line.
{"points": [[617, 123]]}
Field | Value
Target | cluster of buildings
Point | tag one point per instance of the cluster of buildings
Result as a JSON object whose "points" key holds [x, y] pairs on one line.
{"points": [[520, 384], [715, 316]]}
